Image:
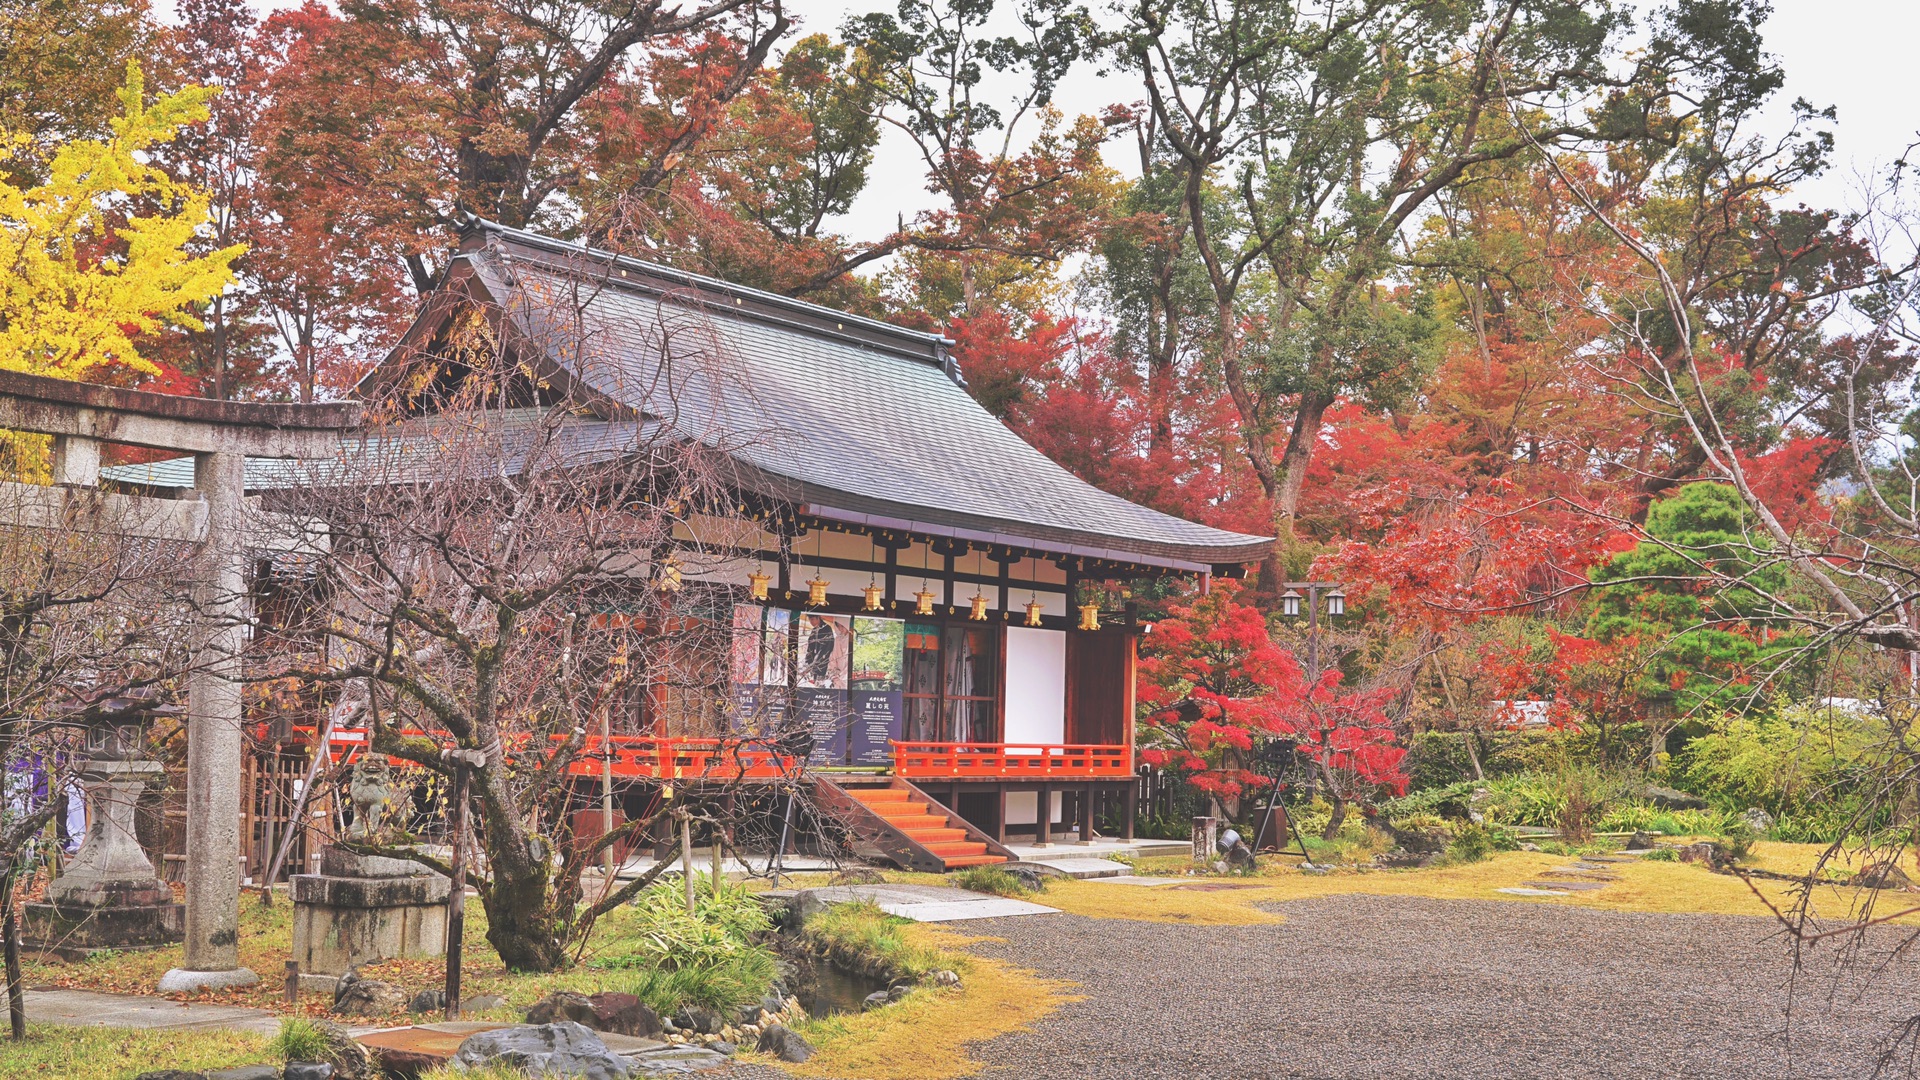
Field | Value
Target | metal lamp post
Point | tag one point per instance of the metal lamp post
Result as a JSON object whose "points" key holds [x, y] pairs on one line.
{"points": [[1314, 591]]}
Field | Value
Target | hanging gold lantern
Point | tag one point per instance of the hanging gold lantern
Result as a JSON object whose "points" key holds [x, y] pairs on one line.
{"points": [[816, 592], [757, 582], [923, 602], [1089, 616], [1033, 612], [670, 575], [978, 605], [872, 593]]}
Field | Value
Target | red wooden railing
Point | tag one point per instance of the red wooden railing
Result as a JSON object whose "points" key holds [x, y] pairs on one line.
{"points": [[634, 756], [1013, 761]]}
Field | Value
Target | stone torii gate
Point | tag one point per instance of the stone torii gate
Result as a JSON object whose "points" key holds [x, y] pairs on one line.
{"points": [[220, 436]]}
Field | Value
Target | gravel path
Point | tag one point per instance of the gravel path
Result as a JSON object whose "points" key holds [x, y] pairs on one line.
{"points": [[1378, 987]]}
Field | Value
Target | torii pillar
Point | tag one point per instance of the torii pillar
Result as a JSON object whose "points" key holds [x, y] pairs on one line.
{"points": [[220, 435]]}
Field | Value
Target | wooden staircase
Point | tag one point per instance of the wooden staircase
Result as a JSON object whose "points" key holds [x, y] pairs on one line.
{"points": [[906, 826]]}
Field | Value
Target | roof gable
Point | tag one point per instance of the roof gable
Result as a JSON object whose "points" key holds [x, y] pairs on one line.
{"points": [[848, 417]]}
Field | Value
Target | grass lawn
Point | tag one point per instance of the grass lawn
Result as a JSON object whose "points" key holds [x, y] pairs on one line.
{"points": [[52, 1052], [1666, 887]]}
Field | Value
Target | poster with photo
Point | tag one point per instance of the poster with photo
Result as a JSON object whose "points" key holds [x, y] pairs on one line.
{"points": [[876, 684], [823, 654], [747, 643], [773, 648], [758, 669]]}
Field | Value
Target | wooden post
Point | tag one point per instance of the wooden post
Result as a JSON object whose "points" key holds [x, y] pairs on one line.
{"points": [[1131, 809], [457, 894], [16, 991], [686, 856], [293, 982], [1043, 817], [606, 784], [1086, 815]]}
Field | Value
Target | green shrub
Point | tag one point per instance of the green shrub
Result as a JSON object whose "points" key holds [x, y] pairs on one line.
{"points": [[1737, 842], [860, 935], [660, 932], [299, 1040], [722, 985], [1639, 816], [1778, 760], [1473, 843], [1664, 854], [995, 880]]}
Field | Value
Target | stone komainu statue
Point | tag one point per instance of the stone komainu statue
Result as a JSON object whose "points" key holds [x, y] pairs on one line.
{"points": [[371, 792]]}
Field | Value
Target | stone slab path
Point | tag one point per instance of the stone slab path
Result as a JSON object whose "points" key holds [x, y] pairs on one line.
{"points": [[930, 903], [86, 1008], [1081, 868]]}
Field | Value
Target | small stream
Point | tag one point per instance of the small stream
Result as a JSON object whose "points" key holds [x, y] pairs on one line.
{"points": [[823, 989]]}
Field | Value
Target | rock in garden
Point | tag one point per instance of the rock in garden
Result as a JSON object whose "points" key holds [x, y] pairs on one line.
{"points": [[875, 1000], [483, 1003], [944, 978], [308, 1070], [1701, 852], [1640, 841], [1757, 819], [784, 1043], [349, 1059], [370, 997], [1029, 878], [183, 1074], [1882, 875], [676, 1060], [246, 1072], [624, 1014], [562, 1005], [723, 1047], [563, 1049], [428, 1001], [1669, 799], [695, 1019]]}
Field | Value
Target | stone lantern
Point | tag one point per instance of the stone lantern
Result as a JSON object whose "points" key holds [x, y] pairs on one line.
{"points": [[108, 896]]}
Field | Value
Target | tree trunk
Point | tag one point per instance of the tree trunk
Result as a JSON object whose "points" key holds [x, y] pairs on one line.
{"points": [[1292, 469], [1338, 818], [520, 917]]}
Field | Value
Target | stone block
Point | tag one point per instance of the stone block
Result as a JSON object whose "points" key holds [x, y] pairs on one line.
{"points": [[341, 922], [370, 892], [71, 931], [339, 862]]}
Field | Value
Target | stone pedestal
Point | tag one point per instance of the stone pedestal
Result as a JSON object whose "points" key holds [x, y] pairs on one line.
{"points": [[361, 908], [108, 897]]}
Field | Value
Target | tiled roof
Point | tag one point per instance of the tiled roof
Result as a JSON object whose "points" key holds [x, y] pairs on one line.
{"points": [[845, 414]]}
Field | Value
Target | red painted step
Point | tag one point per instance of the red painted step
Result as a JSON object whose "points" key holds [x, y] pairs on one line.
{"points": [[925, 825]]}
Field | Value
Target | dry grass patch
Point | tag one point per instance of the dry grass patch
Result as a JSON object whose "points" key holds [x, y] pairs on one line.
{"points": [[1662, 887]]}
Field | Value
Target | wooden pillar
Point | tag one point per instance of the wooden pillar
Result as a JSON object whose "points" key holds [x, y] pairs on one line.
{"points": [[1132, 808], [1086, 815], [1043, 816], [1000, 817]]}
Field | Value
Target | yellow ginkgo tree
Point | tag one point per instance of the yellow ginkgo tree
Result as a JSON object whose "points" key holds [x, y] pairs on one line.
{"points": [[99, 254]]}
